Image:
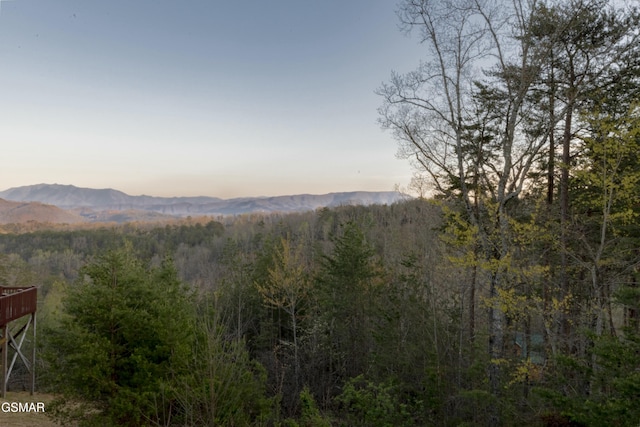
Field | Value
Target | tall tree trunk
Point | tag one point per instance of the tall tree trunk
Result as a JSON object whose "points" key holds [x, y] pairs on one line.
{"points": [[496, 345], [551, 167], [563, 325], [472, 304]]}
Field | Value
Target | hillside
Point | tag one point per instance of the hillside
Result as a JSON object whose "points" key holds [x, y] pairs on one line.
{"points": [[21, 212], [71, 197]]}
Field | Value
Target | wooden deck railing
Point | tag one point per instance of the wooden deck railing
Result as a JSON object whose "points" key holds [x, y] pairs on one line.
{"points": [[17, 302]]}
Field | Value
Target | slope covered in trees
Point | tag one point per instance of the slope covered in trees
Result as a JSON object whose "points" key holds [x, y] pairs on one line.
{"points": [[348, 316]]}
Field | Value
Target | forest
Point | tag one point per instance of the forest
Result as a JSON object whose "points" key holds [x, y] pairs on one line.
{"points": [[506, 293]]}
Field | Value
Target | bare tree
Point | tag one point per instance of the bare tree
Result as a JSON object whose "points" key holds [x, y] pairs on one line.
{"points": [[462, 118], [286, 288]]}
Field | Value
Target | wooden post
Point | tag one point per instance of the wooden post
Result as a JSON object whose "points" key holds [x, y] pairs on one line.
{"points": [[5, 358], [33, 356]]}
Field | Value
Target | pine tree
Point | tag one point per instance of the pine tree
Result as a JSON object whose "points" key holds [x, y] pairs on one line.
{"points": [[122, 344]]}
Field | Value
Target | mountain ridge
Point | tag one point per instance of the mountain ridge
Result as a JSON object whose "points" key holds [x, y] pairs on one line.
{"points": [[88, 202]]}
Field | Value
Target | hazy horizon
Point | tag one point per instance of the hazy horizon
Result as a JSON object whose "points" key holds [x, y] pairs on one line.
{"points": [[196, 195], [223, 100]]}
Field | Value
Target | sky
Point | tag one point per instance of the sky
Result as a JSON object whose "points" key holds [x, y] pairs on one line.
{"points": [[200, 97]]}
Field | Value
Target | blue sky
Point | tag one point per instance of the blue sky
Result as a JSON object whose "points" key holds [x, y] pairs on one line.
{"points": [[199, 97]]}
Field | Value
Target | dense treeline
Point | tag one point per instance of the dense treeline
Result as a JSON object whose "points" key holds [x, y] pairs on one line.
{"points": [[355, 316], [352, 316], [305, 297]]}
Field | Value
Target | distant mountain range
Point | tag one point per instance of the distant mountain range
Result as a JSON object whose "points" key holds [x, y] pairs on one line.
{"points": [[106, 204]]}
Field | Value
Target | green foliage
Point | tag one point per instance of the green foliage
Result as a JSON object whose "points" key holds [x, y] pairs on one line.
{"points": [[124, 338], [375, 405], [225, 386], [602, 388], [14, 271], [608, 178], [349, 280], [475, 406], [350, 265], [286, 290], [310, 415]]}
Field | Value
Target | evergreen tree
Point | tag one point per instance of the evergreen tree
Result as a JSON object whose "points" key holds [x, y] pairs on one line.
{"points": [[122, 344], [349, 278]]}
